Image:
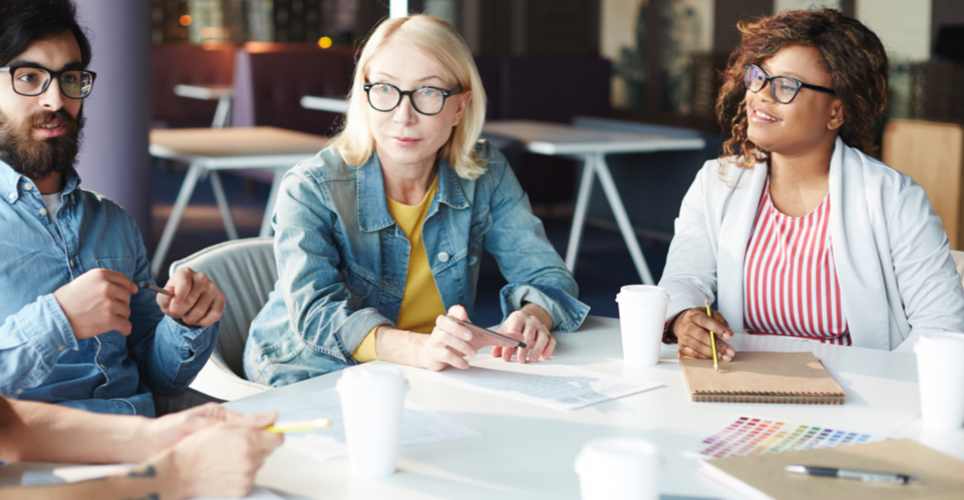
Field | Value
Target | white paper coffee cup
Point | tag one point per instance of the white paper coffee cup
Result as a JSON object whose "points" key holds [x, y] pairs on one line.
{"points": [[940, 373], [372, 402], [619, 469], [642, 313]]}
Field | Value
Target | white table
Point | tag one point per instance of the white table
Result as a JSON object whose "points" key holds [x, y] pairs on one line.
{"points": [[528, 451], [208, 150], [329, 104], [591, 147], [221, 93]]}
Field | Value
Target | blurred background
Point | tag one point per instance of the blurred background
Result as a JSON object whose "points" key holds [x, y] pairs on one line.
{"points": [[638, 66]]}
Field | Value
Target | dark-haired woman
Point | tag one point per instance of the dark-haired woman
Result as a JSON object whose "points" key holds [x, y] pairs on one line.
{"points": [[795, 230]]}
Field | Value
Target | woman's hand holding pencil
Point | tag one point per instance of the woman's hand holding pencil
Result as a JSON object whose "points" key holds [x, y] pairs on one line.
{"points": [[692, 328]]}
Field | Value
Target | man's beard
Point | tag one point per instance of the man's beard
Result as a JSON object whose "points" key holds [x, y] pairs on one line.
{"points": [[37, 159]]}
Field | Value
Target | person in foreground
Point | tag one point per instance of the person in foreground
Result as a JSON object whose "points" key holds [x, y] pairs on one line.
{"points": [[207, 451], [379, 237], [74, 328], [796, 230]]}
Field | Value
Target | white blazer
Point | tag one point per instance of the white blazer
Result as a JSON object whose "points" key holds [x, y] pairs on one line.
{"points": [[897, 277]]}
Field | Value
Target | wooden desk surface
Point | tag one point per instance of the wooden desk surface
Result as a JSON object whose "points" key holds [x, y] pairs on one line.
{"points": [[236, 142]]}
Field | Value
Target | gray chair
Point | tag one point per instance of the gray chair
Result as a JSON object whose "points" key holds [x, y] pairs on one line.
{"points": [[959, 263], [245, 271]]}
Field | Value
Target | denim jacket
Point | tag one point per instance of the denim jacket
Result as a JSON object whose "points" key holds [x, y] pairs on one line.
{"points": [[342, 260], [40, 358]]}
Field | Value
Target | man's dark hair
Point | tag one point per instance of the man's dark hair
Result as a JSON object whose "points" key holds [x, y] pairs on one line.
{"points": [[23, 22]]}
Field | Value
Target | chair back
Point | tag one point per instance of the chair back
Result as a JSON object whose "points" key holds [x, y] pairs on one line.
{"points": [[245, 272], [172, 65], [268, 87], [959, 263]]}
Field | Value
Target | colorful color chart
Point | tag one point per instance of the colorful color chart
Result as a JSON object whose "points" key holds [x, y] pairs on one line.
{"points": [[755, 435]]}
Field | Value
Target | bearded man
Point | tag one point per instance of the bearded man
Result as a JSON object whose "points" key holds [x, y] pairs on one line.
{"points": [[75, 329]]}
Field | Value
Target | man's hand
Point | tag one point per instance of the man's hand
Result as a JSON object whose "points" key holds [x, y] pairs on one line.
{"points": [[163, 432], [219, 461], [197, 300], [97, 302]]}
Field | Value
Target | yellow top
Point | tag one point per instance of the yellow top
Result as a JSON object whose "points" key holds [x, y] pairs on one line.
{"points": [[421, 303]]}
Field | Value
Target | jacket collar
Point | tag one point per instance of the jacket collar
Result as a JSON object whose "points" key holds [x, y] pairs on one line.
{"points": [[11, 183], [373, 212]]}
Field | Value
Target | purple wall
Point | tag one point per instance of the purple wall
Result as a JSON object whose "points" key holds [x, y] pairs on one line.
{"points": [[113, 159]]}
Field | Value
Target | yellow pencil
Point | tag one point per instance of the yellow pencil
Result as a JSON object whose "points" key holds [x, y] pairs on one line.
{"points": [[716, 364], [302, 425]]}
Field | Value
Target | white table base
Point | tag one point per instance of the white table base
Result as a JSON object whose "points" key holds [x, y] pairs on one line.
{"points": [[595, 164]]}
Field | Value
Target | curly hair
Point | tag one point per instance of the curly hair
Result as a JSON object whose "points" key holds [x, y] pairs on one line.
{"points": [[852, 54]]}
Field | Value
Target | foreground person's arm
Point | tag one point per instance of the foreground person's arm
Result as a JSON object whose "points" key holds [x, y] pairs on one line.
{"points": [[219, 460]]}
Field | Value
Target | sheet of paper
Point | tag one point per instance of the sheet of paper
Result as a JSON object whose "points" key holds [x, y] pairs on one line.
{"points": [[749, 435], [74, 474], [257, 493], [555, 386], [88, 472], [419, 426]]}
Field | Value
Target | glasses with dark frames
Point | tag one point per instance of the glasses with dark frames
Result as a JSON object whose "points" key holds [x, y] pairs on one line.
{"points": [[426, 100], [32, 80], [783, 88]]}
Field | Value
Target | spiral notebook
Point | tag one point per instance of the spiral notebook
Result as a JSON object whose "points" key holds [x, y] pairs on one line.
{"points": [[762, 377]]}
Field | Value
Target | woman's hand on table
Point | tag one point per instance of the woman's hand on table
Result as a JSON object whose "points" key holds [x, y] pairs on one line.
{"points": [[533, 323], [692, 328], [450, 343]]}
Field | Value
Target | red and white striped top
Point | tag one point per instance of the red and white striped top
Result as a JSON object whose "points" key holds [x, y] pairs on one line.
{"points": [[790, 282]]}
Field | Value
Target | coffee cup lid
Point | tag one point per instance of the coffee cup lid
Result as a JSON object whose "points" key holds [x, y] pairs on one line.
{"points": [[617, 452], [642, 294], [371, 377]]}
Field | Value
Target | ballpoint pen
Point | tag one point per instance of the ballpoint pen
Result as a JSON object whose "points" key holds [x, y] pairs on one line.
{"points": [[716, 363], [144, 284], [861, 475], [485, 331]]}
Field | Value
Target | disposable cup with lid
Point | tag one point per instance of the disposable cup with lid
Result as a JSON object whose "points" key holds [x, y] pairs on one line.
{"points": [[940, 374], [619, 469], [372, 405]]}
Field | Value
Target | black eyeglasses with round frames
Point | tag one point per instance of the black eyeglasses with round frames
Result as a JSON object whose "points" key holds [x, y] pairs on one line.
{"points": [[427, 100], [32, 81], [783, 88]]}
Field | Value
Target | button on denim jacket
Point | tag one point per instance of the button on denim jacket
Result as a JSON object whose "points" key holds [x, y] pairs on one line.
{"points": [[342, 260]]}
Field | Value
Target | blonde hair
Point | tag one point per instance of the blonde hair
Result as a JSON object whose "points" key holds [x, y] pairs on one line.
{"points": [[439, 40]]}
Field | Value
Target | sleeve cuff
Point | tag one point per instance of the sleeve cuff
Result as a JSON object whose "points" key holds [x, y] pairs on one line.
{"points": [[353, 331], [567, 312], [366, 350], [63, 334]]}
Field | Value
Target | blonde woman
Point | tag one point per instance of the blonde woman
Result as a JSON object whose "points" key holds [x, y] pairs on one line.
{"points": [[379, 237]]}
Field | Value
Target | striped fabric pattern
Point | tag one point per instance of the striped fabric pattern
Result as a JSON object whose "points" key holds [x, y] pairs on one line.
{"points": [[790, 282]]}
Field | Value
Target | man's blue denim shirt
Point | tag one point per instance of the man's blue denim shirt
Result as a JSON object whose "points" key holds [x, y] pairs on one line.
{"points": [[40, 358], [342, 260]]}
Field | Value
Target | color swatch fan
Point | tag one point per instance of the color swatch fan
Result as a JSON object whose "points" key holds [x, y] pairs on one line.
{"points": [[750, 435]]}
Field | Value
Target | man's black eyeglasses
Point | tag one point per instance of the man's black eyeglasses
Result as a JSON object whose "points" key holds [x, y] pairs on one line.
{"points": [[32, 80]]}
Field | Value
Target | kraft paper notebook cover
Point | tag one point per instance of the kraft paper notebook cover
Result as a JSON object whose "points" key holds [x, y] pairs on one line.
{"points": [[762, 477], [762, 377]]}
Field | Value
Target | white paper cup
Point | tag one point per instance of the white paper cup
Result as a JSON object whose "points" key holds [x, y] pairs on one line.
{"points": [[642, 313], [372, 402], [618, 469], [940, 373]]}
